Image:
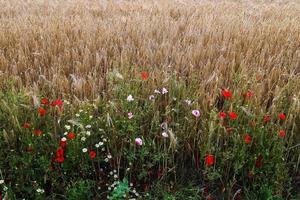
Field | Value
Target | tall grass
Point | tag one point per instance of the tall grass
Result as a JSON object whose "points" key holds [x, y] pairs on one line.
{"points": [[68, 46]]}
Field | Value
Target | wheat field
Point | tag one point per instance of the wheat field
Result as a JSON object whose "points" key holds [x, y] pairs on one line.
{"points": [[69, 46], [226, 82]]}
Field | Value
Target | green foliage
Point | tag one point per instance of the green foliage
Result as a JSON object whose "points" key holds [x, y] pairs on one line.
{"points": [[79, 190], [263, 168], [120, 191]]}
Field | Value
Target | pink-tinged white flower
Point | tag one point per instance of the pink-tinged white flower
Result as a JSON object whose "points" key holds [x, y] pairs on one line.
{"points": [[138, 141], [165, 134], [130, 115], [188, 102], [63, 139], [164, 91], [156, 91], [196, 113], [164, 125], [130, 98], [151, 97]]}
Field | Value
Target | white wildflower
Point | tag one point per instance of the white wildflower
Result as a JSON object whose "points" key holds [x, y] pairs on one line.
{"points": [[88, 126], [164, 91], [130, 98]]}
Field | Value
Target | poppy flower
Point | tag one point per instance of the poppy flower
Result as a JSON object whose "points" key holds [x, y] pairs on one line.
{"points": [[226, 93], [233, 115], [222, 115], [42, 112], [59, 152], [71, 136], [209, 160], [92, 154], [247, 139], [249, 94], [266, 118], [258, 162], [196, 113], [44, 101], [145, 75], [57, 102], [281, 133], [60, 159], [26, 125], [37, 132], [63, 142], [259, 77], [282, 116]]}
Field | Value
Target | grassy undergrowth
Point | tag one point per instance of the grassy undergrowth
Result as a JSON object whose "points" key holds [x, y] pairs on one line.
{"points": [[148, 140]]}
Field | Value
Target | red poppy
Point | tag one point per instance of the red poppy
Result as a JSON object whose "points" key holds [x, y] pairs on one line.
{"points": [[93, 154], [37, 132], [258, 162], [267, 118], [209, 160], [233, 115], [62, 143], [282, 116], [281, 133], [60, 152], [259, 77], [42, 111], [71, 136], [247, 139], [249, 94], [145, 75], [60, 159], [26, 125], [44, 101], [222, 115], [57, 102], [226, 93]]}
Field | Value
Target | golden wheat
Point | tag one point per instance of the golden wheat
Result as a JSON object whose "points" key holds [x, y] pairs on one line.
{"points": [[69, 46]]}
